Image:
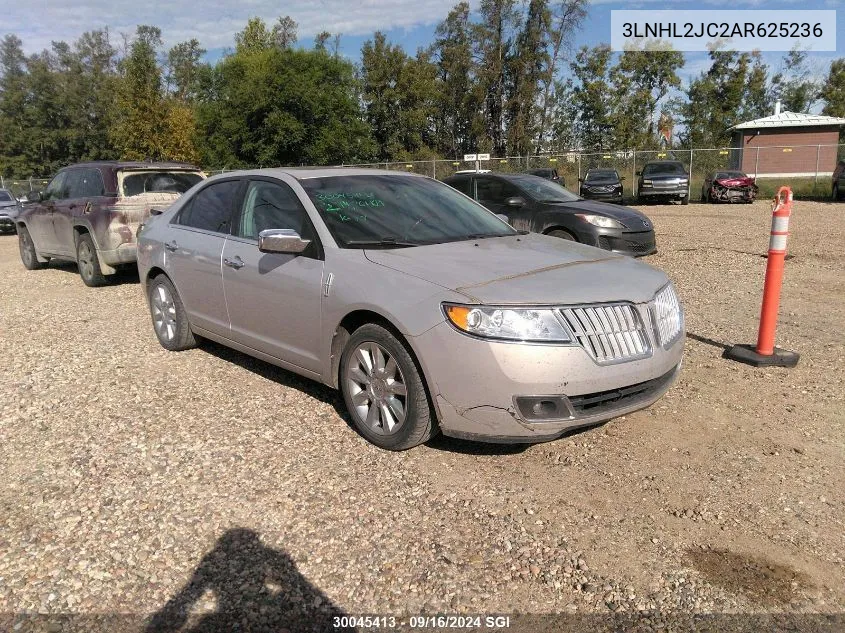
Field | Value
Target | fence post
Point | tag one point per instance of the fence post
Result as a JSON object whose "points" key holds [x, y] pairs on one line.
{"points": [[818, 156], [757, 162], [30, 183], [579, 165], [2, 182], [634, 176], [689, 180], [434, 168]]}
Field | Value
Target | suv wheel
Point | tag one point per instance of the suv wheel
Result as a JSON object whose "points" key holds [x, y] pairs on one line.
{"points": [[383, 390], [28, 255], [685, 200], [170, 320], [88, 262]]}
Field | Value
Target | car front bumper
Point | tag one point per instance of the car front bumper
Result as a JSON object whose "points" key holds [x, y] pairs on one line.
{"points": [[476, 384], [608, 196], [632, 243], [661, 192]]}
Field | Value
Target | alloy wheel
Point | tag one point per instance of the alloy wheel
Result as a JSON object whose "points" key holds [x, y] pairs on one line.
{"points": [[377, 388], [164, 313], [85, 260]]}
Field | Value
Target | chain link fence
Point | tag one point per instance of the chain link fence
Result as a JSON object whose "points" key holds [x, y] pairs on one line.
{"points": [[806, 168]]}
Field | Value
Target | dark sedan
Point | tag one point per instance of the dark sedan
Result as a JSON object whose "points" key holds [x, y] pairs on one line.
{"points": [[602, 184], [535, 204], [9, 210]]}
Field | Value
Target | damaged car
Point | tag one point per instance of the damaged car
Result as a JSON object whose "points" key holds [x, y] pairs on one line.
{"points": [[426, 310], [729, 186], [90, 213]]}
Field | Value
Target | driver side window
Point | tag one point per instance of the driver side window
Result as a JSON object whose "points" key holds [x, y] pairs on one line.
{"points": [[57, 190], [272, 205]]}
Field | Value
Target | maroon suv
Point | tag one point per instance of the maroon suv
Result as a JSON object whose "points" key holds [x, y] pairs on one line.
{"points": [[89, 213]]}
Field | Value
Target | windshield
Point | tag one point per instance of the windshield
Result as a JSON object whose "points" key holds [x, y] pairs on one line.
{"points": [[6, 197], [541, 189], [602, 174], [135, 183], [730, 174], [382, 210], [673, 169]]}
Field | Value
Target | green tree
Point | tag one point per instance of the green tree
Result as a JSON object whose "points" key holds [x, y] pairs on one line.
{"points": [[757, 102], [321, 39], [284, 32], [566, 17], [833, 91], [275, 106], [493, 42], [457, 109], [641, 80], [524, 71], [13, 97], [399, 97], [140, 124], [184, 69], [591, 69], [255, 37], [793, 84]]}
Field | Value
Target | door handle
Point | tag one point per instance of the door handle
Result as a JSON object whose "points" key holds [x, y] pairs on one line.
{"points": [[171, 246], [235, 263]]}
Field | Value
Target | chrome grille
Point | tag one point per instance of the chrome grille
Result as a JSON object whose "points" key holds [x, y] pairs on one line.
{"points": [[610, 333]]}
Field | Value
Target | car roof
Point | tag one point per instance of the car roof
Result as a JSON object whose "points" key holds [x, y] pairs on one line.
{"points": [[306, 173], [133, 164]]}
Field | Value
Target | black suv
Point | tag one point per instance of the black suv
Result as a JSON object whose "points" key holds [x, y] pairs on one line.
{"points": [[663, 180], [535, 204], [838, 190], [602, 184], [549, 173]]}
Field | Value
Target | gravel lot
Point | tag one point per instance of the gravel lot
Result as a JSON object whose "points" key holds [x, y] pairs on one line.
{"points": [[140, 481]]}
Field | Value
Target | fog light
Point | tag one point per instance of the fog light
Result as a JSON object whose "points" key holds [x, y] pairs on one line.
{"points": [[544, 408]]}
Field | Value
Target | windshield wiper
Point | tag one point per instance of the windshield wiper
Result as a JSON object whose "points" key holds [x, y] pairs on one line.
{"points": [[386, 242]]}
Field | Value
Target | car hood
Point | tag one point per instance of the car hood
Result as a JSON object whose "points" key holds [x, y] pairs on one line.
{"points": [[8, 205], [631, 218], [601, 182], [526, 269]]}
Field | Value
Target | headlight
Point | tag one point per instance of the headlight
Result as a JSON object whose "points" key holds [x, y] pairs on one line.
{"points": [[647, 182], [668, 315], [601, 221], [509, 324]]}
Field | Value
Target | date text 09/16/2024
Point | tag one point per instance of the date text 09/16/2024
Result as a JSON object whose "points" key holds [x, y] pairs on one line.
{"points": [[375, 622]]}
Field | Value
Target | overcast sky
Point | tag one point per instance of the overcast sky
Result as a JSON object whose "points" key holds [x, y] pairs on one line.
{"points": [[409, 22]]}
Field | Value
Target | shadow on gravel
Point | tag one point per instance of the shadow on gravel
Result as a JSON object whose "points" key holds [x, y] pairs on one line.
{"points": [[333, 397], [708, 341], [256, 588], [127, 275]]}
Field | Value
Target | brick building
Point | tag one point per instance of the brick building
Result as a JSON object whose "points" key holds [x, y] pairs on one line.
{"points": [[786, 144]]}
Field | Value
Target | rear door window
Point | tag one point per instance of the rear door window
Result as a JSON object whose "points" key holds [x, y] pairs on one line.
{"points": [[84, 183], [211, 208], [494, 190]]}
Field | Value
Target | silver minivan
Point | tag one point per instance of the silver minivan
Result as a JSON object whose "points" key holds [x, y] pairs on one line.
{"points": [[429, 313]]}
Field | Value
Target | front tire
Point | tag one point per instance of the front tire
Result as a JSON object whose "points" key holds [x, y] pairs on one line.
{"points": [[564, 235], [88, 262], [170, 320], [837, 195], [685, 200], [27, 249], [384, 391]]}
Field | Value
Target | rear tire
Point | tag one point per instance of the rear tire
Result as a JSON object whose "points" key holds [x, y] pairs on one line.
{"points": [[564, 235], [685, 200], [170, 320], [29, 257], [88, 262], [383, 390]]}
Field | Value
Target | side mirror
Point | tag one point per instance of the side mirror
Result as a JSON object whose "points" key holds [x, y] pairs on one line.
{"points": [[580, 180], [503, 217], [41, 197], [639, 173], [516, 201], [285, 241]]}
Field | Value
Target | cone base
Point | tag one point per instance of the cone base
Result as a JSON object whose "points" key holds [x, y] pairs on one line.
{"points": [[748, 355]]}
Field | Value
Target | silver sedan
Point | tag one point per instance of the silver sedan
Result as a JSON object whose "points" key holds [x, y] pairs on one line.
{"points": [[429, 313]]}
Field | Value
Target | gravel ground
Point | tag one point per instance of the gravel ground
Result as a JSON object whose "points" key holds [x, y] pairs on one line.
{"points": [[141, 481]]}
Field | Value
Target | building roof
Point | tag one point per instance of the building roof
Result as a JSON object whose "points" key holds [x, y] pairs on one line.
{"points": [[790, 119]]}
